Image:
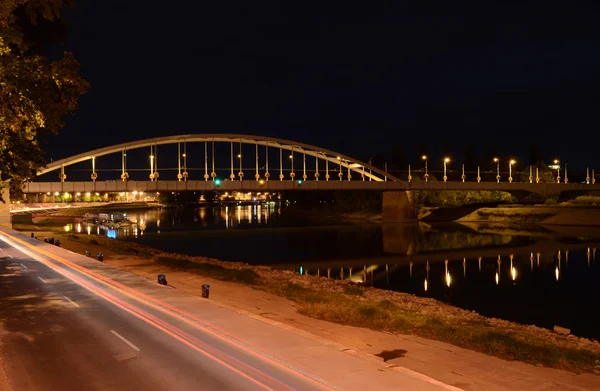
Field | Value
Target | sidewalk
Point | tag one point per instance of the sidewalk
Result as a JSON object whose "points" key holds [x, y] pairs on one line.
{"points": [[445, 363], [298, 350]]}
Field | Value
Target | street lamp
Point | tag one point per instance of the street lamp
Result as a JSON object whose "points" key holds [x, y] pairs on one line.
{"points": [[510, 164], [424, 157], [497, 161], [557, 164], [446, 161]]}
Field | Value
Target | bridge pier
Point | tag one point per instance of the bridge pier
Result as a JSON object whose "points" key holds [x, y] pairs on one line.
{"points": [[399, 206]]}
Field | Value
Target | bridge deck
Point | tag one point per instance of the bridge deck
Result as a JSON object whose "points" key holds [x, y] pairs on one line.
{"points": [[276, 185]]}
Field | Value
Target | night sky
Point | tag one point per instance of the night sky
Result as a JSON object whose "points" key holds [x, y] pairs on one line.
{"points": [[354, 76]]}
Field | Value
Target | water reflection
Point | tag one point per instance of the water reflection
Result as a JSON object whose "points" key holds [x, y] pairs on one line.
{"points": [[544, 279]]}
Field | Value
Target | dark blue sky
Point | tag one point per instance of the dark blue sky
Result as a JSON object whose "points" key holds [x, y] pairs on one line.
{"points": [[354, 76]]}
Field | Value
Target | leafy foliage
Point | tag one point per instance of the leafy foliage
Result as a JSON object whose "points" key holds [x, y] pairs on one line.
{"points": [[545, 173], [35, 93], [451, 198]]}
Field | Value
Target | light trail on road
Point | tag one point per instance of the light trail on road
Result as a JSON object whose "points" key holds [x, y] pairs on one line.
{"points": [[267, 382]]}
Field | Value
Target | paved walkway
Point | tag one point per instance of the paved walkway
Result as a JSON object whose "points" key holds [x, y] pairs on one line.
{"points": [[321, 361], [443, 362]]}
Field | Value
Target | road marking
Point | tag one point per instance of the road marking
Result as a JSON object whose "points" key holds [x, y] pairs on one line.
{"points": [[42, 280], [10, 256], [125, 340], [1, 249], [23, 265], [71, 301]]}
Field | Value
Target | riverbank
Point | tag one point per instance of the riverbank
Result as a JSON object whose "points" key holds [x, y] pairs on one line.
{"points": [[285, 297], [542, 215]]}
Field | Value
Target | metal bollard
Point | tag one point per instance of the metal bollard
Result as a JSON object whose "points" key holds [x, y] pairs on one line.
{"points": [[100, 257], [87, 253], [205, 291], [162, 279]]}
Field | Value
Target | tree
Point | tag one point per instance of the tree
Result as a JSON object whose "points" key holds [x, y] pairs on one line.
{"points": [[471, 161], [488, 158], [544, 173], [399, 161], [35, 93], [447, 150], [535, 154]]}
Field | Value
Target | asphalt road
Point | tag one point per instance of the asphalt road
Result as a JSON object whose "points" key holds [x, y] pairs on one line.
{"points": [[58, 335]]}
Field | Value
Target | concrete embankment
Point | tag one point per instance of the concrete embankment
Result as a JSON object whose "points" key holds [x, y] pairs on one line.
{"points": [[573, 216]]}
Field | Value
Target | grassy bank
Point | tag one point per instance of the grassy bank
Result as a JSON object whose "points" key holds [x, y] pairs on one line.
{"points": [[353, 305]]}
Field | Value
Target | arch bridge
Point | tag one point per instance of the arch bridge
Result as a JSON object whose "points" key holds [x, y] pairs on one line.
{"points": [[271, 164]]}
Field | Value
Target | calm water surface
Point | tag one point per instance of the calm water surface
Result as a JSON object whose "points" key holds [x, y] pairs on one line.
{"points": [[532, 277]]}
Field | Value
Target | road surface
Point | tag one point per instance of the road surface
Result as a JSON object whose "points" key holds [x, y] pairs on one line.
{"points": [[65, 327]]}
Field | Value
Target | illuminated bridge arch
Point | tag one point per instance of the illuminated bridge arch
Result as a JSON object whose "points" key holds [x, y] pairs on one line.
{"points": [[349, 168]]}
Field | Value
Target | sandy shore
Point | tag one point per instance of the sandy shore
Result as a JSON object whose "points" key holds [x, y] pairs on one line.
{"points": [[566, 216]]}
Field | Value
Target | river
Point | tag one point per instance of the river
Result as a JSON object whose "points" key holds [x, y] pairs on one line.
{"points": [[539, 275]]}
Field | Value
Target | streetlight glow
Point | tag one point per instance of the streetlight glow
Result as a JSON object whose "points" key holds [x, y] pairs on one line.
{"points": [[446, 161], [497, 161]]}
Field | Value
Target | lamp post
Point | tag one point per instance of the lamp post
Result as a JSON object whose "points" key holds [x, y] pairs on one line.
{"points": [[424, 157], [587, 175], [557, 163], [151, 167], [446, 161], [497, 161], [510, 164]]}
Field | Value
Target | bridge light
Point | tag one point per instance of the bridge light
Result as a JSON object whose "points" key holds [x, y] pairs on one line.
{"points": [[513, 161], [338, 158], [239, 155], [447, 160], [424, 157], [57, 193], [496, 160], [291, 156], [556, 161], [261, 182]]}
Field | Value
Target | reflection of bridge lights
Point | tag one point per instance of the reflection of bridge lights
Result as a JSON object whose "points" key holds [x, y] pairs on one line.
{"points": [[425, 285], [557, 273], [67, 227], [513, 272], [497, 278], [448, 279], [89, 230]]}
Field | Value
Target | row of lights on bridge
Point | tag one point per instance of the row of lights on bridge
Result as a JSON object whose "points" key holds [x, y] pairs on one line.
{"points": [[511, 162]]}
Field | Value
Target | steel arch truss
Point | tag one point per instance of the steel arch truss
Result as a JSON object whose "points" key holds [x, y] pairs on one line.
{"points": [[349, 165]]}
